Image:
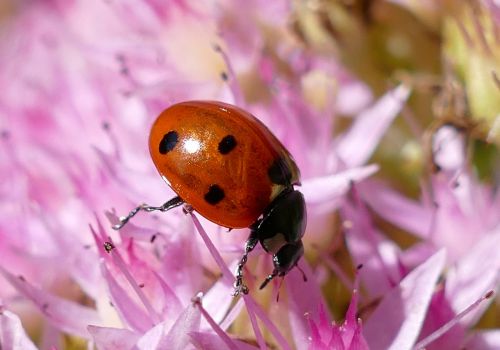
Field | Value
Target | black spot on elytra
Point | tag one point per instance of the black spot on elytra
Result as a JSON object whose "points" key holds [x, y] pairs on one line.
{"points": [[214, 195], [227, 144], [168, 142], [279, 172]]}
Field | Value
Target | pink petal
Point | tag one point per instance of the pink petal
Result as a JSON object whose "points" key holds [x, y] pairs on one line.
{"points": [[218, 300], [325, 325], [255, 308], [460, 214], [259, 338], [172, 303], [484, 340], [210, 341], [233, 314], [449, 148], [371, 249], [397, 209], [178, 336], [358, 341], [175, 338], [66, 315], [473, 275], [315, 341], [440, 312], [215, 327], [450, 333], [134, 316], [396, 322], [351, 324], [304, 299], [353, 97], [12, 333], [329, 188], [336, 342], [113, 338], [357, 145], [226, 274]]}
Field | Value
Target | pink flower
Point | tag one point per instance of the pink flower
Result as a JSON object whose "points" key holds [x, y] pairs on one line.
{"points": [[82, 82]]}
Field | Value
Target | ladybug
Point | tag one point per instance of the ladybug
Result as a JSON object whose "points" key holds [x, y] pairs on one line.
{"points": [[226, 165]]}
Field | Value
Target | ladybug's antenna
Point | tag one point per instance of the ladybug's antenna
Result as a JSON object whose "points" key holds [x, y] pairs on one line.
{"points": [[279, 288], [174, 202]]}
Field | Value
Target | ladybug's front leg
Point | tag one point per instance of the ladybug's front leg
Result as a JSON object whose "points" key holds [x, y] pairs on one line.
{"points": [[250, 244]]}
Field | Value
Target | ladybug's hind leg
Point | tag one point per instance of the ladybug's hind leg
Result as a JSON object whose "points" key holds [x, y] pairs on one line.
{"points": [[172, 203]]}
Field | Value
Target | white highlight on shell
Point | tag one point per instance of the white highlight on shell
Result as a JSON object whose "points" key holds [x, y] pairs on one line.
{"points": [[192, 145]]}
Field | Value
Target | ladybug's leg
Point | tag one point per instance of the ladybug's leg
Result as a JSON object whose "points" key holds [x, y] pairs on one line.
{"points": [[174, 202], [284, 260], [250, 244]]}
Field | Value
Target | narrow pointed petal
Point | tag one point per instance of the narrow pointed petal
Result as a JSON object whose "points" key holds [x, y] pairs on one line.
{"points": [[329, 188], [218, 300], [369, 247], [12, 334], [178, 336], [396, 322], [135, 317], [175, 338], [358, 144], [451, 328], [397, 209], [473, 275], [358, 341]]}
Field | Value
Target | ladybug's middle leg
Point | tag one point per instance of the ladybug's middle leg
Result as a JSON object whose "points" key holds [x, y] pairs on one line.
{"points": [[250, 244], [172, 203]]}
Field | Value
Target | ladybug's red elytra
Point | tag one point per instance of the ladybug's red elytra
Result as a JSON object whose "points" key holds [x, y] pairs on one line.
{"points": [[232, 170]]}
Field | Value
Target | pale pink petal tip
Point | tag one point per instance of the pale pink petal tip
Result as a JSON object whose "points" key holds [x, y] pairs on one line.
{"points": [[357, 145], [12, 334]]}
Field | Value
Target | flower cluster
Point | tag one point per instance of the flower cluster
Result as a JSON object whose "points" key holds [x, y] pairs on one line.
{"points": [[412, 258]]}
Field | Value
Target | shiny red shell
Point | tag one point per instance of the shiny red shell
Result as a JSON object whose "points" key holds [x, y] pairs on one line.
{"points": [[221, 160]]}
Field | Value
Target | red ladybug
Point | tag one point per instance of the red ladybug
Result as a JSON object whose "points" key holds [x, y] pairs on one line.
{"points": [[231, 169]]}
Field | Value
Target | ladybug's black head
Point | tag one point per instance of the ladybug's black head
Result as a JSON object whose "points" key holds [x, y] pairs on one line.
{"points": [[281, 229]]}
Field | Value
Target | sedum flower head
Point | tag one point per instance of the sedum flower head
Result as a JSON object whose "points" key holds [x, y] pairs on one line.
{"points": [[82, 82]]}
